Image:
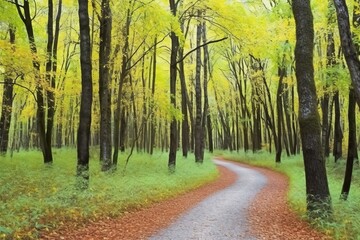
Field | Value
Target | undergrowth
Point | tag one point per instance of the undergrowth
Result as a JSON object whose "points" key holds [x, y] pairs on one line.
{"points": [[35, 197], [345, 222]]}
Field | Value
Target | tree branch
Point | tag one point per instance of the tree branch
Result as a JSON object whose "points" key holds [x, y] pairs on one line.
{"points": [[202, 45], [22, 86]]}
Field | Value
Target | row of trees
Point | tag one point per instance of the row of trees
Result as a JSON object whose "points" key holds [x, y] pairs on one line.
{"points": [[178, 74]]}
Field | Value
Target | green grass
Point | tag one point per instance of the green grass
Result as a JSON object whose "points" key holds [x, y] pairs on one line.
{"points": [[346, 216], [34, 196]]}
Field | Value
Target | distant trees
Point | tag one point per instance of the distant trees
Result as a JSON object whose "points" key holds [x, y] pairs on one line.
{"points": [[238, 94]]}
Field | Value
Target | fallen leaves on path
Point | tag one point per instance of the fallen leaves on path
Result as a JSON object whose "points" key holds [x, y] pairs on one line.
{"points": [[270, 216], [145, 222]]}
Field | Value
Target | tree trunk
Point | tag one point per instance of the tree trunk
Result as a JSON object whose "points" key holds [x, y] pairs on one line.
{"points": [[105, 86], [348, 46], [185, 128], [338, 134], [153, 117], [40, 112], [7, 101], [206, 113], [279, 110], [119, 119], [83, 135], [198, 96], [317, 190], [352, 149], [173, 73]]}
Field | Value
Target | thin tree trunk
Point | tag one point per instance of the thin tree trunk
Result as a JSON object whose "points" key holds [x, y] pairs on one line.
{"points": [[7, 101], [83, 135], [153, 117], [352, 149], [348, 46], [198, 96], [105, 86], [173, 74], [338, 135]]}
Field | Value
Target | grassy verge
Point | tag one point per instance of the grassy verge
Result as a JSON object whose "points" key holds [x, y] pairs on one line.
{"points": [[346, 220], [34, 196]]}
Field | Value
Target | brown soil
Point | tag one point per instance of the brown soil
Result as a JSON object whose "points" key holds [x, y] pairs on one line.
{"points": [[269, 214]]}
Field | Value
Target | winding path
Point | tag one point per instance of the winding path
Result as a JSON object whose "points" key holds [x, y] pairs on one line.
{"points": [[224, 209], [222, 215]]}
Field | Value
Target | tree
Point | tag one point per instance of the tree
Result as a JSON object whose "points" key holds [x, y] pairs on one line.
{"points": [[83, 135], [317, 190], [25, 15], [105, 85], [199, 133], [173, 75], [348, 46], [7, 100]]}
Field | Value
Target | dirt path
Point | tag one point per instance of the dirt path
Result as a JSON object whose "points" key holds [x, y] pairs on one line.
{"points": [[269, 215], [222, 215]]}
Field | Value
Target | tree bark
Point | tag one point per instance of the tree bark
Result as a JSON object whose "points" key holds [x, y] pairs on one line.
{"points": [[317, 190], [352, 149], [173, 74], [7, 101], [198, 95], [338, 134], [105, 86], [83, 135], [40, 111], [348, 46]]}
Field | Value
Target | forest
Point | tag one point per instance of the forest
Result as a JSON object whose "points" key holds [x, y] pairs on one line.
{"points": [[96, 92]]}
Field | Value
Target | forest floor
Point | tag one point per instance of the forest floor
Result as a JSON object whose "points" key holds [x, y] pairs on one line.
{"points": [[268, 215]]}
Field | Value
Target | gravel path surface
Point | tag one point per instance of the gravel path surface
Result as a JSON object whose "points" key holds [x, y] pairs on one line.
{"points": [[222, 215]]}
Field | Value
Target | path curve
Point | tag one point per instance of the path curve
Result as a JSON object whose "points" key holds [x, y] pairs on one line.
{"points": [[269, 215], [222, 215]]}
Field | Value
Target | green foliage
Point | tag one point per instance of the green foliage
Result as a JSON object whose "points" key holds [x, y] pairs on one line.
{"points": [[345, 222], [35, 197]]}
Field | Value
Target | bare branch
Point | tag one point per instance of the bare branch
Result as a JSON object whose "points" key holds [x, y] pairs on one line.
{"points": [[202, 45], [22, 86]]}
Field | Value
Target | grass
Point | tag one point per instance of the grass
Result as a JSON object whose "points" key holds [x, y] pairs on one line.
{"points": [[345, 223], [34, 196]]}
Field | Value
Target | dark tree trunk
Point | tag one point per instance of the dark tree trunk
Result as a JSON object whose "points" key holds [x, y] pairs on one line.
{"points": [[198, 96], [83, 135], [40, 111], [279, 110], [330, 61], [173, 74], [51, 67], [119, 118], [185, 128], [325, 125], [153, 117], [50, 78], [206, 113], [317, 190], [256, 136], [7, 101], [54, 69], [352, 149], [348, 46], [338, 134], [105, 86]]}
